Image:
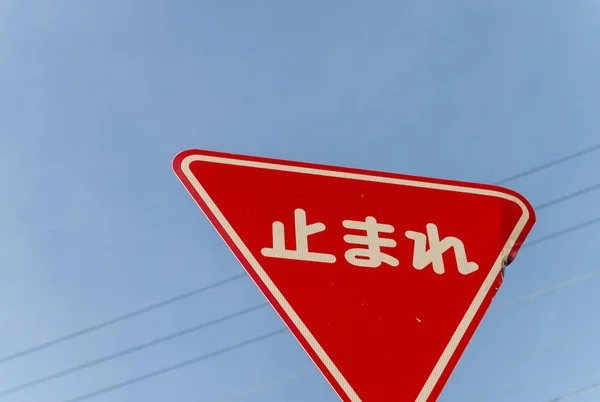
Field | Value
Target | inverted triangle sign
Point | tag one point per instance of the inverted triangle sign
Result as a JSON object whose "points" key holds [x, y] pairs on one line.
{"points": [[382, 278]]}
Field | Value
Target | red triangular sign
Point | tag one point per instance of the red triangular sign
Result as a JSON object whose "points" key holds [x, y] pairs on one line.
{"points": [[382, 278]]}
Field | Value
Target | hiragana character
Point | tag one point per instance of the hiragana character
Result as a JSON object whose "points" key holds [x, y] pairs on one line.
{"points": [[423, 257], [372, 256]]}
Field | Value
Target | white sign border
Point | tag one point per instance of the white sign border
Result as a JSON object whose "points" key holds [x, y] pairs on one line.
{"points": [[337, 375]]}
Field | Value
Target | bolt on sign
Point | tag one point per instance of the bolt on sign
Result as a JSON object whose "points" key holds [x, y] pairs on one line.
{"points": [[383, 278]]}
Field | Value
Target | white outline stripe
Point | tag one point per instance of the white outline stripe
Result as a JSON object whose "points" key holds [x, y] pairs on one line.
{"points": [[471, 311]]}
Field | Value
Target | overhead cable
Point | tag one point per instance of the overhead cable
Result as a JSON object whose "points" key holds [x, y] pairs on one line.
{"points": [[581, 391], [124, 317], [562, 232], [569, 196], [578, 154], [128, 351], [178, 366], [194, 292]]}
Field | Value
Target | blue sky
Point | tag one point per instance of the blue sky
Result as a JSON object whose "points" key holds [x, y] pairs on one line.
{"points": [[97, 97]]}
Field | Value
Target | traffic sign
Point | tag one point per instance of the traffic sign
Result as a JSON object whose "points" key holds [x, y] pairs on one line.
{"points": [[382, 278]]}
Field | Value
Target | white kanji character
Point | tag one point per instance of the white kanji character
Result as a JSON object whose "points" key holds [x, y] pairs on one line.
{"points": [[302, 232], [372, 256], [423, 257]]}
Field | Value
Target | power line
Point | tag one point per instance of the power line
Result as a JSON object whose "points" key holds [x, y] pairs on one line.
{"points": [[586, 390], [174, 367], [526, 356], [203, 289], [221, 283], [197, 291], [72, 370], [178, 334], [570, 196], [562, 232], [576, 372], [214, 285], [118, 319], [236, 277], [546, 348], [131, 350], [578, 154], [549, 289]]}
